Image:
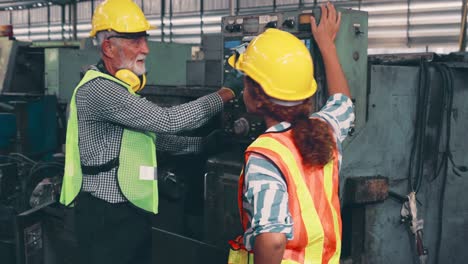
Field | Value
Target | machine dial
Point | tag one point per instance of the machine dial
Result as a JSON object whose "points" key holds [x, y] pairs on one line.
{"points": [[241, 127], [289, 23], [229, 27], [237, 27], [272, 24]]}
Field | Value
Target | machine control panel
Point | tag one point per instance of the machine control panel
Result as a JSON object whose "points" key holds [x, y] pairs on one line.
{"points": [[251, 25], [351, 43], [243, 126]]}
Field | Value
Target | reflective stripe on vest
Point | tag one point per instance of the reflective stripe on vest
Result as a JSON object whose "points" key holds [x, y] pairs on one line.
{"points": [[136, 173], [313, 200]]}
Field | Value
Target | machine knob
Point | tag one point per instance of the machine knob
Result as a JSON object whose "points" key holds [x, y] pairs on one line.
{"points": [[289, 23], [237, 28], [229, 27], [241, 127], [271, 24]]}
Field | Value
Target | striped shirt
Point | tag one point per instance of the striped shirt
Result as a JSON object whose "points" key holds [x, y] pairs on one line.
{"points": [[105, 108], [265, 197]]}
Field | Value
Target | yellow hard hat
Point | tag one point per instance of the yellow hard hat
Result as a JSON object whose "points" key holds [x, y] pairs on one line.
{"points": [[280, 63], [123, 16]]}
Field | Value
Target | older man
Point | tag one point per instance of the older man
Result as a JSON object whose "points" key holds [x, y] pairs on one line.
{"points": [[110, 168]]}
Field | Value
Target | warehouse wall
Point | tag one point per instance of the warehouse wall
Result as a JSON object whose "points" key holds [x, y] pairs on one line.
{"points": [[394, 25]]}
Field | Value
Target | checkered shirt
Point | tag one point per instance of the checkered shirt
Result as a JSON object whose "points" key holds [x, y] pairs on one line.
{"points": [[105, 108]]}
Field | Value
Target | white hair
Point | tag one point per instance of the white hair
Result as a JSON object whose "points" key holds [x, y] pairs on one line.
{"points": [[101, 36]]}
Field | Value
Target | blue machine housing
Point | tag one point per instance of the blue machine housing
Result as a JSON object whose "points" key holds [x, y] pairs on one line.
{"points": [[31, 127], [7, 130]]}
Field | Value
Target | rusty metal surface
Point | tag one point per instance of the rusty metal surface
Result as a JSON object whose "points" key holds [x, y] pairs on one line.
{"points": [[364, 190]]}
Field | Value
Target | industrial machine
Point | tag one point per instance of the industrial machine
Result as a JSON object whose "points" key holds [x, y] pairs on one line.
{"points": [[351, 45], [403, 171], [216, 220], [222, 172], [30, 124], [36, 84]]}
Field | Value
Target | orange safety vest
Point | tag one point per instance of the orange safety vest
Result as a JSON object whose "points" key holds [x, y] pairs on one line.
{"points": [[313, 203]]}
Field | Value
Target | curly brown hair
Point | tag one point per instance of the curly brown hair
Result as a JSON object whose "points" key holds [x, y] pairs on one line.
{"points": [[312, 136]]}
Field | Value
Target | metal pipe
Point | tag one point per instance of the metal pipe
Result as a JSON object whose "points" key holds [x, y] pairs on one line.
{"points": [[74, 19], [231, 7], [48, 22], [408, 24], [462, 38], [29, 23], [63, 21], [170, 20], [70, 14], [163, 12], [202, 10]]}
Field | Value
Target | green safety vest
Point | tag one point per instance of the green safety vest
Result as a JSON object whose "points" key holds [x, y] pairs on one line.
{"points": [[137, 167]]}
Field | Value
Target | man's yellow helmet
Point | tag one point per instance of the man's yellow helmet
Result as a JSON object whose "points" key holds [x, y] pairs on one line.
{"points": [[280, 63], [123, 16]]}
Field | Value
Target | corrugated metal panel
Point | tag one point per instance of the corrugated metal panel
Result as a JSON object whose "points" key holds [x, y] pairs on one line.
{"points": [[419, 26], [55, 14], [211, 5], [183, 6], [4, 17], [152, 6], [38, 15], [394, 25], [20, 17], [84, 11], [258, 3], [287, 2]]}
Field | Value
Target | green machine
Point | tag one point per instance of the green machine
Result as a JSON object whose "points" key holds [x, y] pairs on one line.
{"points": [[204, 237], [351, 43]]}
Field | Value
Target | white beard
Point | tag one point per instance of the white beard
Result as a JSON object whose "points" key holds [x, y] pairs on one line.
{"points": [[133, 66]]}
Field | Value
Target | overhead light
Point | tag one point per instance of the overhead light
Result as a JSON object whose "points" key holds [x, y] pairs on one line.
{"points": [[20, 7], [39, 4]]}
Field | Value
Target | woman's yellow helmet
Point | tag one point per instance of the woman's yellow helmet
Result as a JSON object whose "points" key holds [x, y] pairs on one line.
{"points": [[280, 63]]}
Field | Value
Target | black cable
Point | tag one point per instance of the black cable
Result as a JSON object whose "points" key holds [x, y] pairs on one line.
{"points": [[447, 156], [416, 162], [447, 88], [448, 99], [424, 93], [457, 169], [43, 165], [440, 215], [18, 160]]}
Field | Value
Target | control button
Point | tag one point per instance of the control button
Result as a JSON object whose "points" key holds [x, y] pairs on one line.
{"points": [[271, 24], [289, 23], [237, 28], [229, 27], [241, 127], [357, 29]]}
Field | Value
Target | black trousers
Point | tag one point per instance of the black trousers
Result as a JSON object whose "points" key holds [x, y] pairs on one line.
{"points": [[111, 233]]}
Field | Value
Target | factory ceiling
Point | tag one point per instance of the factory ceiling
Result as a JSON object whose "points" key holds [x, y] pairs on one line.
{"points": [[6, 5]]}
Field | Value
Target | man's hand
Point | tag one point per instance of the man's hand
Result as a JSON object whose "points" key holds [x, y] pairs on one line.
{"points": [[235, 82], [325, 33]]}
